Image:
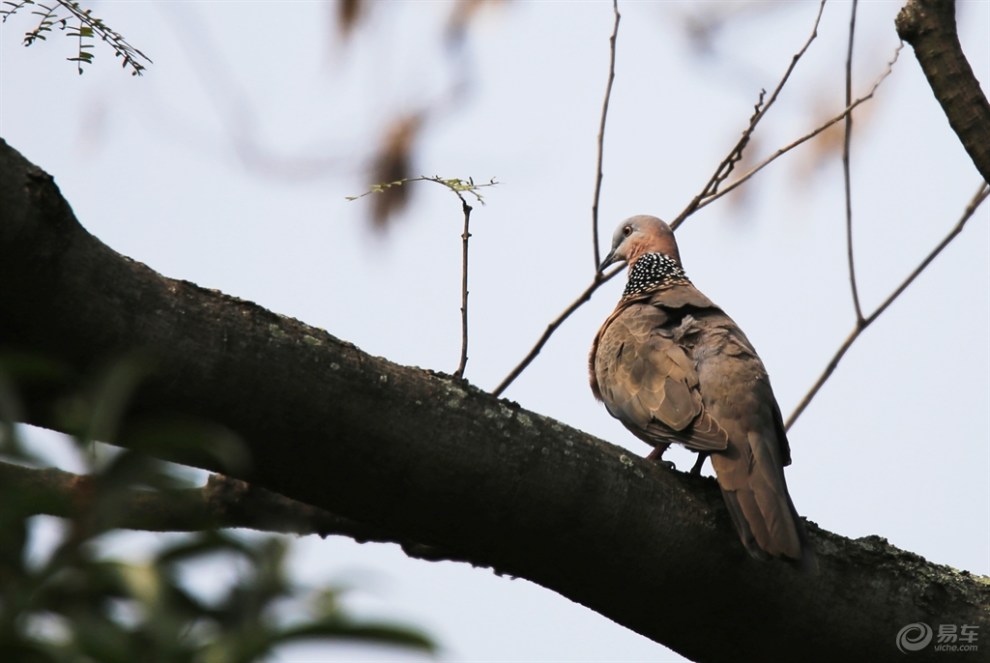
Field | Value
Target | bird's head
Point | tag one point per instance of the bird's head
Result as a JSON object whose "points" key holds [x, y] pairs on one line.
{"points": [[638, 235]]}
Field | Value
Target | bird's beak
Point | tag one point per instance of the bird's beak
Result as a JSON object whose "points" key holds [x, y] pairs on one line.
{"points": [[609, 259]]}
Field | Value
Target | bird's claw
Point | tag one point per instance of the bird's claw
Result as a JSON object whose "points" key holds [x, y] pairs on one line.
{"points": [[657, 457], [696, 470]]}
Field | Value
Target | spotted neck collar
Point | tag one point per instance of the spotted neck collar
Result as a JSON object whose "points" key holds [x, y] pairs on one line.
{"points": [[652, 271]]}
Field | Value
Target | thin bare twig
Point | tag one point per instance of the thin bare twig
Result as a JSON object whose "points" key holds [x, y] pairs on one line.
{"points": [[845, 165], [863, 323], [459, 373], [600, 280], [459, 187], [727, 165], [601, 132], [808, 136]]}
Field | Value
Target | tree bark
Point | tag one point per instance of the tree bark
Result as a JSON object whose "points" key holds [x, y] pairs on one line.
{"points": [[930, 27], [428, 459]]}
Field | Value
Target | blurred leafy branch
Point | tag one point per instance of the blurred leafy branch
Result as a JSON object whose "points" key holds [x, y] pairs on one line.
{"points": [[68, 601], [455, 184], [69, 17]]}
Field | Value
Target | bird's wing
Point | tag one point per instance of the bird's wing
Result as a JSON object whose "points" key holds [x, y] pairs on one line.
{"points": [[648, 381], [750, 471], [738, 350]]}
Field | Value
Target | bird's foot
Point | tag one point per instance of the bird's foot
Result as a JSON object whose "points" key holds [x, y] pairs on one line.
{"points": [[657, 457], [696, 470]]}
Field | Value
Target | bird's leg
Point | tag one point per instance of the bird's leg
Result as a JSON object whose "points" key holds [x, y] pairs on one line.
{"points": [[696, 470], [657, 456]]}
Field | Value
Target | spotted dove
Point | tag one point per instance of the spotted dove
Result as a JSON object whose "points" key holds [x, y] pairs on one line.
{"points": [[673, 367]]}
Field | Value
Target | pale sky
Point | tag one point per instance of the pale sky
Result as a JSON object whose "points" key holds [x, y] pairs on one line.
{"points": [[228, 165]]}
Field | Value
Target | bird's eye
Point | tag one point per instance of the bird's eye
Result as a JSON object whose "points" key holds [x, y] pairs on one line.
{"points": [[626, 231]]}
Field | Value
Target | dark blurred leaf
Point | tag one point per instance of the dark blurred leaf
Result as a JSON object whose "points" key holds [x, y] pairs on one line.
{"points": [[30, 368], [198, 440], [19, 371], [207, 543], [110, 395], [393, 163], [101, 639], [24, 653], [348, 14], [461, 15], [371, 632]]}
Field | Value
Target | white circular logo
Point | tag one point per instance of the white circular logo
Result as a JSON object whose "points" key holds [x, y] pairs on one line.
{"points": [[914, 637]]}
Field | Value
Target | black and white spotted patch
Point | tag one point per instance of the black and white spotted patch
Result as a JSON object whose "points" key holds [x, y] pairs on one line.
{"points": [[651, 271]]}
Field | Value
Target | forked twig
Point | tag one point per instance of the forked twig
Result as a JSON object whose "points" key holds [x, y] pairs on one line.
{"points": [[808, 136], [601, 132], [863, 323], [711, 189]]}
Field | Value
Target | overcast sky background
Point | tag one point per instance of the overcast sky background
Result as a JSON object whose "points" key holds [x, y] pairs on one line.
{"points": [[228, 164]]}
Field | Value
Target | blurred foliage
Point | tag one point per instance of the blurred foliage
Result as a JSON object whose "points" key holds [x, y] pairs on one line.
{"points": [[348, 14], [393, 164], [71, 602], [68, 17]]}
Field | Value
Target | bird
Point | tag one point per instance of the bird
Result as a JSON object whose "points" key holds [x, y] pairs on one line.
{"points": [[672, 367]]}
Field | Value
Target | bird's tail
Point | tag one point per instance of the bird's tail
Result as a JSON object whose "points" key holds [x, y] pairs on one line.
{"points": [[762, 510]]}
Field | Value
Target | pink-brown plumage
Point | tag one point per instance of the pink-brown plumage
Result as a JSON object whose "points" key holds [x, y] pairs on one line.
{"points": [[673, 367]]}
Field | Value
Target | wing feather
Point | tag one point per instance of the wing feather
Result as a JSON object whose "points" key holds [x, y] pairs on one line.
{"points": [[649, 382]]}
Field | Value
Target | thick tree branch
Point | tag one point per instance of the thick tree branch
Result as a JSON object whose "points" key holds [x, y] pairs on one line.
{"points": [[427, 458], [930, 27]]}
